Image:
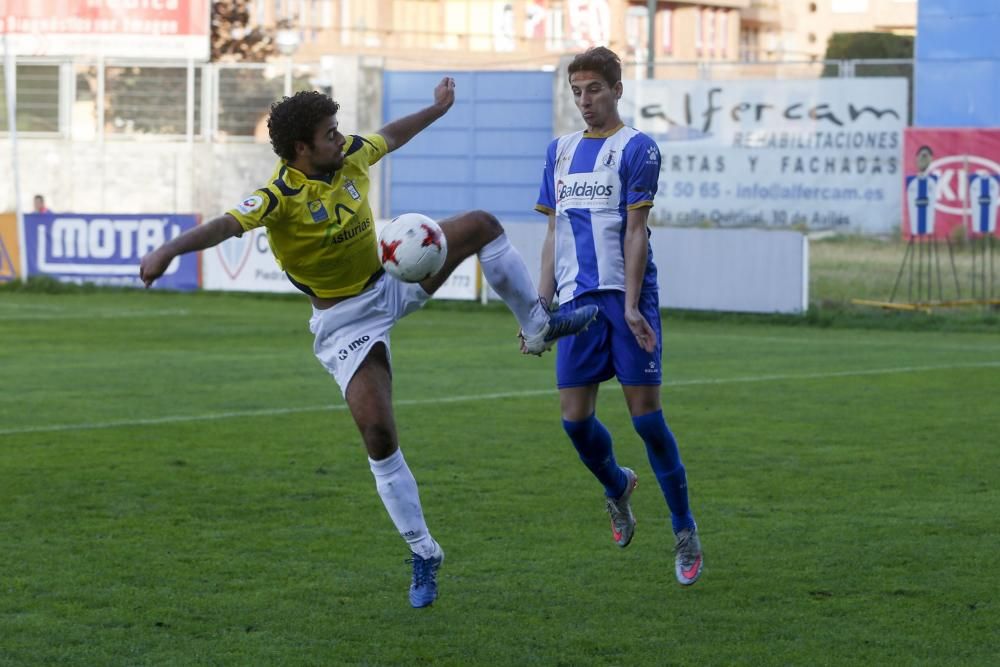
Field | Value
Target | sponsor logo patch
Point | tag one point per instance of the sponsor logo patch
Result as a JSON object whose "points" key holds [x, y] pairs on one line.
{"points": [[318, 211], [595, 190], [250, 204], [352, 347]]}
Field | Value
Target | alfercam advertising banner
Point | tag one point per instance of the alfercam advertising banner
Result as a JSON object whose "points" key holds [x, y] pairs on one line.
{"points": [[817, 153], [951, 180], [106, 249]]}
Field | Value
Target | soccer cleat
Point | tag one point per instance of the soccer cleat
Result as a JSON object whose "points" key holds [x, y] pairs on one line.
{"points": [[423, 588], [558, 326], [689, 560], [622, 519]]}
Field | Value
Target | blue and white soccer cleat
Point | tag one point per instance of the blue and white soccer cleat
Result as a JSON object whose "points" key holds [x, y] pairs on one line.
{"points": [[559, 325], [423, 588]]}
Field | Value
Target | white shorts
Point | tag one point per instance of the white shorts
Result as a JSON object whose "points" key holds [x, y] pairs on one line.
{"points": [[346, 333]]}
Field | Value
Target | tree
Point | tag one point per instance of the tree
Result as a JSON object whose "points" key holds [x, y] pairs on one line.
{"points": [[868, 45], [233, 40], [873, 46]]}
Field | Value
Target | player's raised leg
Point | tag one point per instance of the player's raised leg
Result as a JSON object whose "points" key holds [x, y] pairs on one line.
{"points": [[479, 232], [369, 397]]}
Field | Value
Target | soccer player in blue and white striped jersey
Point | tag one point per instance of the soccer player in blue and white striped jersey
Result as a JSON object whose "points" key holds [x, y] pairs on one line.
{"points": [[597, 190]]}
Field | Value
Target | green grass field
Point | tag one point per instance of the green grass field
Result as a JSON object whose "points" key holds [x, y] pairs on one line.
{"points": [[181, 485]]}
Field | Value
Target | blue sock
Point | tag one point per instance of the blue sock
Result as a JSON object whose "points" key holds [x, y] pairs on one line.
{"points": [[593, 444], [664, 457]]}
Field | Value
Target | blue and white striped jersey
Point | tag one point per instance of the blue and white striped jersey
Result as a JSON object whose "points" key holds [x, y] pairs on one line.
{"points": [[590, 182], [921, 195]]}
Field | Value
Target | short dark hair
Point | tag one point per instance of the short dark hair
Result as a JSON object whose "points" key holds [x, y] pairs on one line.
{"points": [[598, 59], [925, 147], [296, 118]]}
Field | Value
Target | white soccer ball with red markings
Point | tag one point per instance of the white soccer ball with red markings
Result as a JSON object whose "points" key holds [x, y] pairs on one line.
{"points": [[412, 247]]}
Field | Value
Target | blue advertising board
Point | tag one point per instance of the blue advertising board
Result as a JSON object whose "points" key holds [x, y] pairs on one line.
{"points": [[486, 153], [105, 249], [957, 64]]}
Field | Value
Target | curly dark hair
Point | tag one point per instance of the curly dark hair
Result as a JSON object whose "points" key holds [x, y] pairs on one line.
{"points": [[296, 118], [598, 59]]}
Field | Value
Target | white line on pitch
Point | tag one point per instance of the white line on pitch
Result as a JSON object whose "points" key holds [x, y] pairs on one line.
{"points": [[267, 412], [102, 314], [844, 342]]}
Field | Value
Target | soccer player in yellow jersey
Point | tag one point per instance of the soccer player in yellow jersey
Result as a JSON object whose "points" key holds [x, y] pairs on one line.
{"points": [[321, 231]]}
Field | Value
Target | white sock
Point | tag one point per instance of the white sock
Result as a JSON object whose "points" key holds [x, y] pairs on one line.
{"points": [[398, 490], [507, 274]]}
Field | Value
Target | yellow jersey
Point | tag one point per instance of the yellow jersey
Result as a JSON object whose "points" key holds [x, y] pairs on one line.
{"points": [[322, 234]]}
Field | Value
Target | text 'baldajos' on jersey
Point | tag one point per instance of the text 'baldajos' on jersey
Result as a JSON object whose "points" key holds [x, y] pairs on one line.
{"points": [[321, 233], [590, 182]]}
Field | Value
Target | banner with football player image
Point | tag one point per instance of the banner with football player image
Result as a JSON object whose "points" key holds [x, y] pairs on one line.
{"points": [[951, 179]]}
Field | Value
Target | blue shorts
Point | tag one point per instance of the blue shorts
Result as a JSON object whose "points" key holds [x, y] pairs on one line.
{"points": [[608, 347]]}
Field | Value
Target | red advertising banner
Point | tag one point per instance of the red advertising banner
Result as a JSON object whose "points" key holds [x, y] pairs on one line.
{"points": [[146, 28], [951, 179]]}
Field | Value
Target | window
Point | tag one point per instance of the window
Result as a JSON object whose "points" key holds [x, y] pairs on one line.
{"points": [[636, 21], [724, 33], [698, 28], [667, 31], [710, 31], [749, 44], [37, 95], [554, 40]]}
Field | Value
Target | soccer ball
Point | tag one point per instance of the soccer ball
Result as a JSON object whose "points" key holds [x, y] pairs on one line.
{"points": [[412, 247]]}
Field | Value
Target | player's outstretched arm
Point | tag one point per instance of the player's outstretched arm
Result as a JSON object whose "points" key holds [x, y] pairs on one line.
{"points": [[401, 130], [636, 255], [210, 234], [547, 276]]}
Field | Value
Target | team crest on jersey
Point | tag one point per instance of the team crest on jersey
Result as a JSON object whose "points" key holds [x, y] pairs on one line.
{"points": [[250, 204], [318, 211], [352, 190], [609, 161]]}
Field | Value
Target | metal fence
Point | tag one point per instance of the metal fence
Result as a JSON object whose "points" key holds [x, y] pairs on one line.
{"points": [[118, 99], [139, 136], [226, 102]]}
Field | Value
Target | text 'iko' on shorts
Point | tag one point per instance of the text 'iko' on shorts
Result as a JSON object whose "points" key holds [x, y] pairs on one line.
{"points": [[346, 332], [608, 347]]}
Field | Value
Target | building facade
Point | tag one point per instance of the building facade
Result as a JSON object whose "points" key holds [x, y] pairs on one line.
{"points": [[536, 33]]}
